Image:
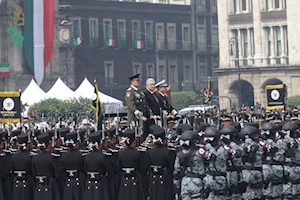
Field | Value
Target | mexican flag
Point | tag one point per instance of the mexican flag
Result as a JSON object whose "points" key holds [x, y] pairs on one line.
{"points": [[39, 35], [77, 41], [4, 68]]}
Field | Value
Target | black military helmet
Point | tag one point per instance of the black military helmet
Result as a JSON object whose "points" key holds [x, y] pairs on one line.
{"points": [[289, 127], [229, 130], [188, 135], [212, 132], [269, 128], [248, 131], [188, 138]]}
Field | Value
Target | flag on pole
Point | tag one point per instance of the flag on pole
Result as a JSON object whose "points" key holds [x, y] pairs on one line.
{"points": [[38, 35], [96, 104], [207, 91]]}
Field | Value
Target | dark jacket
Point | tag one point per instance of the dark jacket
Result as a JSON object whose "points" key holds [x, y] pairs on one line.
{"points": [[152, 102]]}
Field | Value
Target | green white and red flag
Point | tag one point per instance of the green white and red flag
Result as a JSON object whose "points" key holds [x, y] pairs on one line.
{"points": [[39, 35]]}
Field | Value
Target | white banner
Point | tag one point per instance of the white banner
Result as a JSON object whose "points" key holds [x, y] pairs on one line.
{"points": [[111, 108]]}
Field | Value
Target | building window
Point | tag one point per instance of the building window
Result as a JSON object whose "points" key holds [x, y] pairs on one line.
{"points": [[276, 4], [150, 71], [109, 74], [159, 33], [214, 2], [278, 41], [76, 28], [171, 36], [172, 77], [137, 69], [201, 36], [269, 40], [245, 42], [252, 42], [94, 32], [187, 72], [267, 4], [244, 5], [108, 33], [136, 35], [161, 70], [186, 34], [202, 71], [235, 6], [121, 34], [215, 36], [148, 35]]}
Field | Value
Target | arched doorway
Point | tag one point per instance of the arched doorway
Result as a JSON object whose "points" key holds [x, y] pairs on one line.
{"points": [[271, 81], [247, 93]]}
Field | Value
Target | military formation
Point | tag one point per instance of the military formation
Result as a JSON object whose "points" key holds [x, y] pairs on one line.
{"points": [[156, 154]]}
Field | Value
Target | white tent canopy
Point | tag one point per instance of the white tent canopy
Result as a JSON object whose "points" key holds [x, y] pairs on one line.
{"points": [[61, 91], [33, 94], [86, 90]]}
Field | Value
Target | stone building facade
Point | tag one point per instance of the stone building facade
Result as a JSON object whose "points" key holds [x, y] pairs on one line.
{"points": [[20, 73], [259, 40], [163, 41]]}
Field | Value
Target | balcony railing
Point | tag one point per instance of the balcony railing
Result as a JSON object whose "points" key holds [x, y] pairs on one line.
{"points": [[121, 43], [173, 46], [94, 42]]}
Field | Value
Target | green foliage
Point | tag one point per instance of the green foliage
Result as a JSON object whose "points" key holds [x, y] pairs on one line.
{"points": [[50, 107], [183, 99], [16, 35], [294, 101]]}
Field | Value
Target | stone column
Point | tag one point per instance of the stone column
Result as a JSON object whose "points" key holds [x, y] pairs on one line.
{"points": [[238, 6], [258, 30], [240, 40], [272, 57], [250, 55], [271, 5], [283, 45]]}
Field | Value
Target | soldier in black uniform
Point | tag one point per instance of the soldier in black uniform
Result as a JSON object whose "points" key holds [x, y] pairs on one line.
{"points": [[22, 170], [73, 167], [44, 170], [132, 169], [98, 170], [137, 105], [160, 166], [5, 160]]}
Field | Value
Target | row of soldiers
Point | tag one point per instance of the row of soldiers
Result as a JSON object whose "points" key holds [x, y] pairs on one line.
{"points": [[191, 162]]}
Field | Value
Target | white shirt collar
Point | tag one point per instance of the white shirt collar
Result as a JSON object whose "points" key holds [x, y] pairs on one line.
{"points": [[151, 92], [162, 94]]}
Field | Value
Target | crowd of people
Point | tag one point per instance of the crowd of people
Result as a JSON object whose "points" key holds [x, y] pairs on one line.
{"points": [[216, 156]]}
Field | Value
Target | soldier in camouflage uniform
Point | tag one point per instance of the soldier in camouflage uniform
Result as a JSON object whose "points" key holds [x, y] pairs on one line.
{"points": [[215, 180], [273, 164], [231, 142], [252, 174], [292, 155], [189, 168]]}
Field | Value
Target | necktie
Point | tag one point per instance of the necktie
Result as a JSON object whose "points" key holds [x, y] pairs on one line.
{"points": [[154, 96]]}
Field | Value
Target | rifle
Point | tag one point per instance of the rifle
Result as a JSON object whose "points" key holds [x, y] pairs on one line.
{"points": [[140, 128]]}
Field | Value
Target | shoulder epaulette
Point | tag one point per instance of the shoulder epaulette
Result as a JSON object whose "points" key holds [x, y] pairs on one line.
{"points": [[6, 151], [113, 150], [107, 154], [129, 89], [171, 149], [58, 149], [33, 154], [142, 149], [2, 154], [84, 150], [55, 155], [84, 154]]}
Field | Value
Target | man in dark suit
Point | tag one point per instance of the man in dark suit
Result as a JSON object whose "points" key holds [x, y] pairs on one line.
{"points": [[151, 97]]}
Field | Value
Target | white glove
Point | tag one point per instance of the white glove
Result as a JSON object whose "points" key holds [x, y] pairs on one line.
{"points": [[137, 114]]}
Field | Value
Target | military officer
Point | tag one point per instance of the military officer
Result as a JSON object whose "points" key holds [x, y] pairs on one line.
{"points": [[137, 105], [165, 105]]}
